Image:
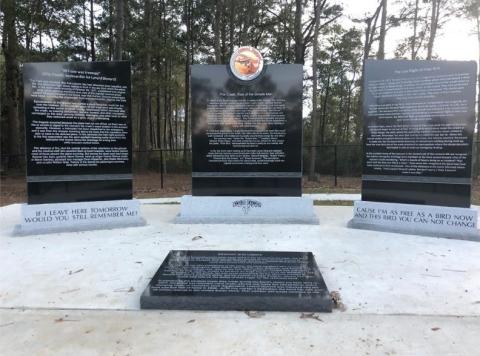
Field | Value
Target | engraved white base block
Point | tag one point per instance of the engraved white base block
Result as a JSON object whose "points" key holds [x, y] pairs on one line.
{"points": [[78, 216], [428, 220], [246, 210]]}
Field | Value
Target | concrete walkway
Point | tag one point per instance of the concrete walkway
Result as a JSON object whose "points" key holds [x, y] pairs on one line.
{"points": [[78, 293]]}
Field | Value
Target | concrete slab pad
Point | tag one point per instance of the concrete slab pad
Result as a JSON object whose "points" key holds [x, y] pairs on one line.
{"points": [[107, 332], [375, 272], [78, 293]]}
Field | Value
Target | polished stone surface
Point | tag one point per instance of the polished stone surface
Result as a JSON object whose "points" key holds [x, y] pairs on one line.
{"points": [[457, 195], [78, 191], [419, 118], [247, 135], [78, 131], [238, 280], [247, 186]]}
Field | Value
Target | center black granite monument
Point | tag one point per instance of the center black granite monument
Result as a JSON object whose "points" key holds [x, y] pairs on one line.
{"points": [[238, 280], [246, 142], [419, 119], [247, 128]]}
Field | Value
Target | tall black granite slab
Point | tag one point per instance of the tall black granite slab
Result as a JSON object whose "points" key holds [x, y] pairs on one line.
{"points": [[246, 135], [238, 280], [78, 131], [419, 118]]}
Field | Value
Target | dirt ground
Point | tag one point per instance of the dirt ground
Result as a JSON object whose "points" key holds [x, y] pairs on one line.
{"points": [[13, 188]]}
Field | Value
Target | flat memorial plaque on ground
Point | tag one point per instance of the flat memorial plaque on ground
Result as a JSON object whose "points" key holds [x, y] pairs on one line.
{"points": [[238, 280]]}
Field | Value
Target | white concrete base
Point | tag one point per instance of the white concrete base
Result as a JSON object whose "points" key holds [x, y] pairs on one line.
{"points": [[78, 293], [427, 220], [78, 216], [246, 210]]}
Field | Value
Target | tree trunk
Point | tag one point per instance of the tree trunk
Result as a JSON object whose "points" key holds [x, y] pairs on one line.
{"points": [[366, 53], [231, 25], [52, 42], [170, 111], [478, 81], [119, 26], [126, 23], [151, 124], [168, 106], [166, 87], [145, 96], [176, 122], [11, 83], [414, 37], [28, 28], [313, 150], [160, 34], [223, 35], [159, 116], [92, 32], [383, 24], [340, 124], [247, 23], [298, 31], [323, 123], [84, 32], [165, 106], [216, 31], [188, 48], [349, 108], [40, 39], [110, 30], [433, 27], [370, 31]]}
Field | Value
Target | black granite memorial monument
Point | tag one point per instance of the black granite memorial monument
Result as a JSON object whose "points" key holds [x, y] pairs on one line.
{"points": [[419, 118], [238, 280], [246, 141], [78, 131], [246, 128]]}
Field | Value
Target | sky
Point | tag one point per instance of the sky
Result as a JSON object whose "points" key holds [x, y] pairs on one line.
{"points": [[456, 40]]}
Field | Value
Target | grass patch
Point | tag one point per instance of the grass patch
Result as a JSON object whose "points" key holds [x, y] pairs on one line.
{"points": [[333, 203]]}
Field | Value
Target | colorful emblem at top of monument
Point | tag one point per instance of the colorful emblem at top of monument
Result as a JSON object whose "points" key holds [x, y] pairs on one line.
{"points": [[246, 63]]}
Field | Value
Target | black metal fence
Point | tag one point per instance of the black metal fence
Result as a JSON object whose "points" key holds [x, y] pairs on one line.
{"points": [[331, 160], [335, 160]]}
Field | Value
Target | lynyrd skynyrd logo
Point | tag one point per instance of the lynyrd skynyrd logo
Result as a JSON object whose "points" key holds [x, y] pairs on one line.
{"points": [[246, 204]]}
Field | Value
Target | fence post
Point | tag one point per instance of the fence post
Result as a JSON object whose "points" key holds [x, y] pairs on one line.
{"points": [[335, 163]]}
